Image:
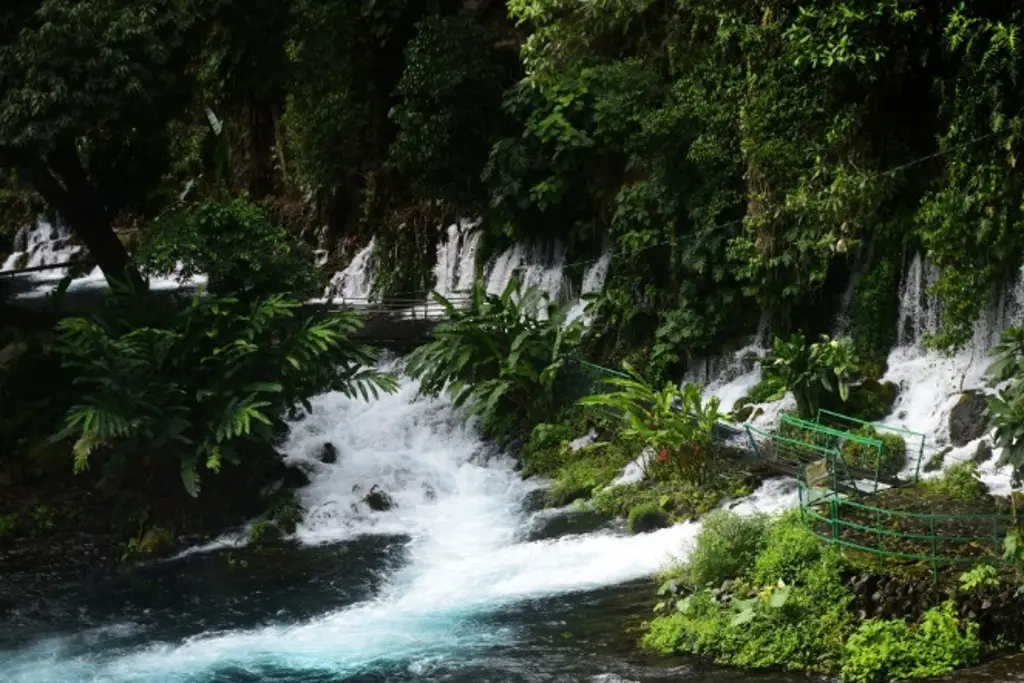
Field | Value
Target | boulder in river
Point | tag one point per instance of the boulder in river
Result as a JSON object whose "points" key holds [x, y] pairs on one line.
{"points": [[378, 500], [328, 453], [983, 453], [295, 478], [967, 419]]}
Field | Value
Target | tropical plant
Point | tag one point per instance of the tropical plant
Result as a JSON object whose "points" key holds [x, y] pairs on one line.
{"points": [[1005, 411], [807, 370], [677, 423], [504, 357], [235, 245], [188, 386]]}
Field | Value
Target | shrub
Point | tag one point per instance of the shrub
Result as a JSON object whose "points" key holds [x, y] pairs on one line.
{"points": [[790, 550], [888, 650], [186, 387], [799, 626], [235, 245], [647, 517], [547, 448], [675, 422], [725, 547], [499, 358], [808, 369], [890, 460], [960, 482], [769, 388], [8, 526]]}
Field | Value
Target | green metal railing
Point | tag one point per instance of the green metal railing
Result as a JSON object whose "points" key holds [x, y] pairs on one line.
{"points": [[935, 539], [805, 460], [909, 437], [858, 453]]}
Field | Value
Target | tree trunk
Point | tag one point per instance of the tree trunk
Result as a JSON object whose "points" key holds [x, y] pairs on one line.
{"points": [[63, 183]]}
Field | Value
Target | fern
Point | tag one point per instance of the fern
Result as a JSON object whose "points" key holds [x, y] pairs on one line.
{"points": [[498, 358], [187, 383]]}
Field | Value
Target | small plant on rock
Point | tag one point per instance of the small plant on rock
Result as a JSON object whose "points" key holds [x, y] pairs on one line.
{"points": [[675, 422], [808, 370]]}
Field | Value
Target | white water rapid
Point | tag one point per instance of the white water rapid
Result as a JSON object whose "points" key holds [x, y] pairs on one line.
{"points": [[464, 511]]}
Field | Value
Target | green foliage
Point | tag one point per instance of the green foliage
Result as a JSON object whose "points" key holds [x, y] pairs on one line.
{"points": [[186, 388], [546, 448], [647, 517], [889, 460], [980, 138], [768, 389], [1005, 411], [979, 578], [960, 482], [725, 548], [335, 110], [801, 624], [876, 307], [889, 650], [807, 370], [675, 422], [499, 358], [8, 526], [43, 519], [235, 245], [448, 100], [791, 550]]}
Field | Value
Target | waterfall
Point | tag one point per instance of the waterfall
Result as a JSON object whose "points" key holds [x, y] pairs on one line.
{"points": [[730, 377], [455, 269], [43, 244], [357, 279], [931, 382], [593, 283], [462, 508]]}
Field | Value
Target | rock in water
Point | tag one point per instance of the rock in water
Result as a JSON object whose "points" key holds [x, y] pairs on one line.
{"points": [[328, 453], [983, 453], [967, 419], [379, 501], [295, 478]]}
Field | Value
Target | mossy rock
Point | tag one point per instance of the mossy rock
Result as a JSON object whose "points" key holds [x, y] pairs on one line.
{"points": [[646, 518], [156, 542], [265, 532], [967, 419], [937, 459], [871, 400]]}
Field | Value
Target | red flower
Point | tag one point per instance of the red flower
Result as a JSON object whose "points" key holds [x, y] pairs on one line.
{"points": [[663, 455]]}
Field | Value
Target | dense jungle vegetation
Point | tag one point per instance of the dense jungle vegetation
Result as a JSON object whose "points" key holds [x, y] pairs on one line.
{"points": [[738, 157]]}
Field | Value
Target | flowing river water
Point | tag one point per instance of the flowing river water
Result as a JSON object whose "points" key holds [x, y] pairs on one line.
{"points": [[467, 580]]}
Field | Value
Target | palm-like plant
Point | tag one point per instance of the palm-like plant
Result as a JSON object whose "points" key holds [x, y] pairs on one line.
{"points": [[498, 358], [807, 370], [1005, 411], [676, 422], [193, 385]]}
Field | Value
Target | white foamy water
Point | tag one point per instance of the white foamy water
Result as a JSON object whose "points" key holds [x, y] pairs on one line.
{"points": [[46, 244], [356, 280], [455, 269], [461, 507]]}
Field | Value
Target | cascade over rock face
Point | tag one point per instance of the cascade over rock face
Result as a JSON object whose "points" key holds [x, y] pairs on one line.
{"points": [[967, 419]]}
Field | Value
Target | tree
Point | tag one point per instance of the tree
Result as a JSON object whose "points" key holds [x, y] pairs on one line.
{"points": [[86, 91]]}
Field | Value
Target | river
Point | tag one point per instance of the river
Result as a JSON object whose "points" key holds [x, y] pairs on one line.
{"points": [[466, 580]]}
